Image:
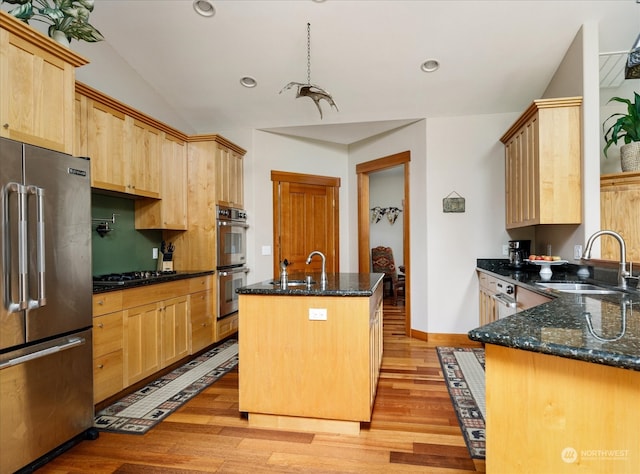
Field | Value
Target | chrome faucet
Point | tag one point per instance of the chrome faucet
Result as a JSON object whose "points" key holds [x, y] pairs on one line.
{"points": [[622, 270], [323, 275]]}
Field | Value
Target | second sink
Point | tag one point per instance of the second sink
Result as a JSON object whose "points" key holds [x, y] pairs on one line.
{"points": [[582, 288]]}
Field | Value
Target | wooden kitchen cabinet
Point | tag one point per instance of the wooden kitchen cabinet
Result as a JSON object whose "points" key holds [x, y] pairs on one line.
{"points": [[37, 87], [205, 153], [108, 342], [141, 342], [106, 145], [124, 149], [143, 159], [488, 310], [229, 176], [170, 212], [139, 331], [543, 170], [108, 371], [620, 212], [226, 327], [202, 316], [175, 330]]}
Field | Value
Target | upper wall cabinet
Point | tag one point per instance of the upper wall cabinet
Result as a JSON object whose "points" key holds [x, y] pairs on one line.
{"points": [[37, 77], [171, 211], [124, 151], [543, 164]]}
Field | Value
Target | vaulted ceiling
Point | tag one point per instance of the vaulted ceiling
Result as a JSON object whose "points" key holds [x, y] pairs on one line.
{"points": [[495, 56]]}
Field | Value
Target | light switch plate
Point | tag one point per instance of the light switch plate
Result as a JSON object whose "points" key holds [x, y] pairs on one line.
{"points": [[266, 250], [317, 314], [505, 249], [155, 253]]}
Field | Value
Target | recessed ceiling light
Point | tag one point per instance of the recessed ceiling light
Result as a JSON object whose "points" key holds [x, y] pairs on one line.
{"points": [[430, 65], [204, 7], [248, 81]]}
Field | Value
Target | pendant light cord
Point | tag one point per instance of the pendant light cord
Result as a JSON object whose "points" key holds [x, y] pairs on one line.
{"points": [[308, 53]]}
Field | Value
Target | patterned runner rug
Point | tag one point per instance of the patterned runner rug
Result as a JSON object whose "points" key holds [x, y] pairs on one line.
{"points": [[463, 370], [142, 410]]}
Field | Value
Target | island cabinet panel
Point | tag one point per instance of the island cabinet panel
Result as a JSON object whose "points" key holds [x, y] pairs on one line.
{"points": [[620, 211], [552, 414], [543, 165], [309, 374], [37, 78]]}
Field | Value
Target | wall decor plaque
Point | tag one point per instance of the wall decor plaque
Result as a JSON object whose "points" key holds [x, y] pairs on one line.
{"points": [[453, 204]]}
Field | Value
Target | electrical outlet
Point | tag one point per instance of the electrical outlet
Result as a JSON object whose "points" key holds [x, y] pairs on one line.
{"points": [[155, 253], [317, 314], [505, 249], [577, 252]]}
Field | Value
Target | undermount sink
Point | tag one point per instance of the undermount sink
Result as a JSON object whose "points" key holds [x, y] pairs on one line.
{"points": [[293, 282], [582, 288]]}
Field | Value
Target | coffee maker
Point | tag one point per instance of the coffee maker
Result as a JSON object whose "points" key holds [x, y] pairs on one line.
{"points": [[519, 250]]}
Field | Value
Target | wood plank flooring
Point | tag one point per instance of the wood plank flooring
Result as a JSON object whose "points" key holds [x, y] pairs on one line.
{"points": [[413, 429]]}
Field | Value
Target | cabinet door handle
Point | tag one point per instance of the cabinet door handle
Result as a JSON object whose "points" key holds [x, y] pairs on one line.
{"points": [[100, 302], [100, 325], [5, 126], [100, 366]]}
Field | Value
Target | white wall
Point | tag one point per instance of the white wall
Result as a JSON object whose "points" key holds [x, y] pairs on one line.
{"points": [[270, 151], [386, 189], [473, 166]]}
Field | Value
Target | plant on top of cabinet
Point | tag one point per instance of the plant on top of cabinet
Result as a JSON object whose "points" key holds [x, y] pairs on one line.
{"points": [[67, 19], [626, 128]]}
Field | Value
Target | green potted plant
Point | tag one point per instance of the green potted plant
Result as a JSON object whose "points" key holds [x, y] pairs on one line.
{"points": [[67, 19], [626, 128]]}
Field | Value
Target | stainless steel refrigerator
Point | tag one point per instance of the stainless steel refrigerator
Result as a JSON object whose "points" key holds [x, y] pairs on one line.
{"points": [[46, 377]]}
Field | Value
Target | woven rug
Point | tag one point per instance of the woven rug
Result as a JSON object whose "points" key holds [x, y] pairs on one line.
{"points": [[142, 410], [463, 370]]}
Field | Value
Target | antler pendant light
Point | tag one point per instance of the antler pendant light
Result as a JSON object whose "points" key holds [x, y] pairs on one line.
{"points": [[307, 89]]}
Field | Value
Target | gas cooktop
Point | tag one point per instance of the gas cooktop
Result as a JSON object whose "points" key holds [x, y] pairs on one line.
{"points": [[116, 279]]}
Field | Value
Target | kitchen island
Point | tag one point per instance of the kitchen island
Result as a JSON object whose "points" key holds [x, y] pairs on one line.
{"points": [[563, 381], [310, 355]]}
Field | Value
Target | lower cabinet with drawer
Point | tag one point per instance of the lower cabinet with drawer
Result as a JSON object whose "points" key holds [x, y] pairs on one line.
{"points": [[139, 331], [108, 370]]}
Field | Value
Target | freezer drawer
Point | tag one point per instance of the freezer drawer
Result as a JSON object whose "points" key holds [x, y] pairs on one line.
{"points": [[45, 401]]}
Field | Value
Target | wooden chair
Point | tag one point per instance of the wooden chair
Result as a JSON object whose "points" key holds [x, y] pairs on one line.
{"points": [[382, 262]]}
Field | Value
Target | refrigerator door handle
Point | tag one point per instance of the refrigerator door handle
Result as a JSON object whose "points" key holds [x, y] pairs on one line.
{"points": [[72, 342], [41, 299], [20, 305]]}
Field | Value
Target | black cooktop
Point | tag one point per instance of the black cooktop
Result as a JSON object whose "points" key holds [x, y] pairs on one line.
{"points": [[115, 279]]}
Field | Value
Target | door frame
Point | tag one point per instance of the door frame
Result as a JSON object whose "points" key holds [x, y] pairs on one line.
{"points": [[364, 252]]}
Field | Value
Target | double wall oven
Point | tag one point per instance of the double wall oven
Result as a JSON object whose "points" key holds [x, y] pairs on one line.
{"points": [[231, 257]]}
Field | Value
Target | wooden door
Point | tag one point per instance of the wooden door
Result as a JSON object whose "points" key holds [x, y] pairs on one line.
{"points": [[306, 217]]}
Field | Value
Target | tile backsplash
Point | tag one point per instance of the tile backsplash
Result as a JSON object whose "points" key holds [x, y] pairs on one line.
{"points": [[124, 248]]}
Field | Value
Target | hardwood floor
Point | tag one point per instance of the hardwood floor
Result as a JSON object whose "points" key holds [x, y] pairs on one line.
{"points": [[413, 429]]}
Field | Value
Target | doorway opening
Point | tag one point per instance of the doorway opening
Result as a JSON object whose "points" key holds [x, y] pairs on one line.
{"points": [[363, 171]]}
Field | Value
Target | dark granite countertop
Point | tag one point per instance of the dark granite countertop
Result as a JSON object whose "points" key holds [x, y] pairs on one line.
{"points": [[165, 278], [338, 284], [602, 329]]}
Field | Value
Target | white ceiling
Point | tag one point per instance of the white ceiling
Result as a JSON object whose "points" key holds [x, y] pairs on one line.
{"points": [[495, 56]]}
